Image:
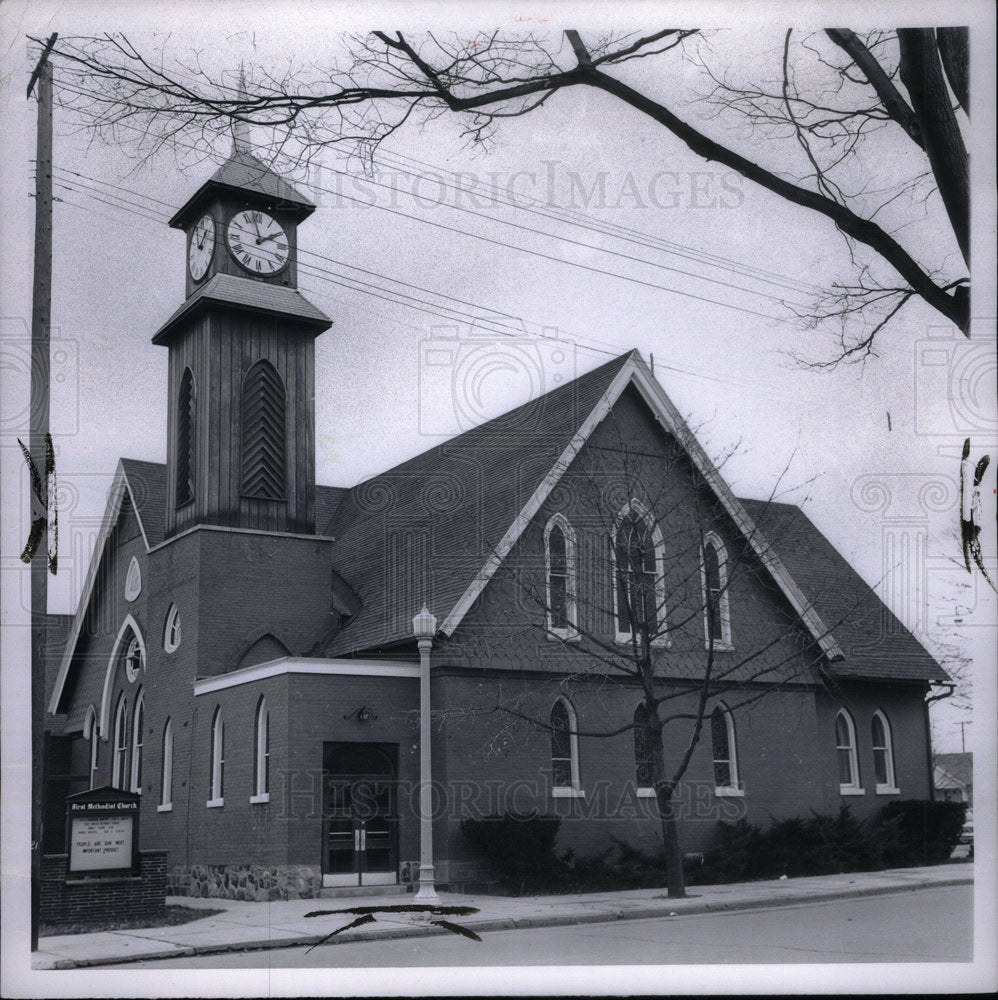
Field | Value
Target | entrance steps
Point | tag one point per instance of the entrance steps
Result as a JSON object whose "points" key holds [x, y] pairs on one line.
{"points": [[353, 891]]}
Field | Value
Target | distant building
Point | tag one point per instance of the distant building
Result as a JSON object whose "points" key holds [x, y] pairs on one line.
{"points": [[953, 777], [243, 652]]}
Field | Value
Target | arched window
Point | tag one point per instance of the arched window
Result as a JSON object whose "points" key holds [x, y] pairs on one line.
{"points": [[119, 768], [185, 439], [137, 720], [166, 770], [714, 579], [263, 433], [559, 554], [845, 748], [217, 762], [135, 658], [883, 754], [638, 586], [91, 735], [725, 752], [564, 749], [644, 776], [261, 753], [171, 631]]}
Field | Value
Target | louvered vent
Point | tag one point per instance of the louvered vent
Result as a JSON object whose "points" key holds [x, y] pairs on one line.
{"points": [[263, 433], [185, 440]]}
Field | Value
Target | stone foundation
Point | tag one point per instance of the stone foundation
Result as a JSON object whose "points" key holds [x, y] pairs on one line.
{"points": [[258, 883]]}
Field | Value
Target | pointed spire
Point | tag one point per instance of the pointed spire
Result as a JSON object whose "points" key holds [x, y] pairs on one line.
{"points": [[241, 142]]}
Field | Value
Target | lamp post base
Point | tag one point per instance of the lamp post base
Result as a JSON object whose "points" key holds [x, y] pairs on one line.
{"points": [[427, 892]]}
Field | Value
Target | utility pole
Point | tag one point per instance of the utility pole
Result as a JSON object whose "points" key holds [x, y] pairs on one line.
{"points": [[38, 430], [963, 742]]}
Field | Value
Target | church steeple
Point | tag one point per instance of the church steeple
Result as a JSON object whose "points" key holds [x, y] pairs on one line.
{"points": [[241, 430]]}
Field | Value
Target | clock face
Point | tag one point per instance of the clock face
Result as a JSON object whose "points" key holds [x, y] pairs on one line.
{"points": [[257, 242], [201, 247]]}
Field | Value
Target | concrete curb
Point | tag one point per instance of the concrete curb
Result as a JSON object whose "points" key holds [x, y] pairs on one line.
{"points": [[667, 908]]}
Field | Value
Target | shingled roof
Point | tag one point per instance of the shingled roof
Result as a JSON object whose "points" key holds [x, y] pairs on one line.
{"points": [[875, 643]]}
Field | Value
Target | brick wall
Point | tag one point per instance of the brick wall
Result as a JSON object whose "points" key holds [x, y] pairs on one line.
{"points": [[87, 899]]}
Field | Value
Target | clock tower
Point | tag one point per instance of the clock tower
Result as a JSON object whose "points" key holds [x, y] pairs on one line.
{"points": [[241, 426]]}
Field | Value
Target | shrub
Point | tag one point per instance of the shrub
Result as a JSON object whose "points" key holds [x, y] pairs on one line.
{"points": [[519, 847], [919, 832]]}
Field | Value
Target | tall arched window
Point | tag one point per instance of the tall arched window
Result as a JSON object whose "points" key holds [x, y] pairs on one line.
{"points": [[559, 554], [166, 770], [119, 769], [137, 722], [261, 753], [564, 749], [845, 749], [263, 433], [216, 770], [643, 768], [714, 579], [91, 735], [638, 587], [883, 754], [725, 752], [185, 439]]}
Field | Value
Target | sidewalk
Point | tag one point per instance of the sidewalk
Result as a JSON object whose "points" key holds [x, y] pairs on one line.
{"points": [[246, 926]]}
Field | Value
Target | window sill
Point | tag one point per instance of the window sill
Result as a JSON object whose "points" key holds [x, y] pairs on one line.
{"points": [[729, 792], [258, 799], [168, 808], [215, 803], [564, 792], [888, 790], [851, 790], [625, 638], [563, 635], [720, 647], [646, 793]]}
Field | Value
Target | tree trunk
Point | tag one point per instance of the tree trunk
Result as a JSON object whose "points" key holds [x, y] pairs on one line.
{"points": [[664, 790], [922, 74]]}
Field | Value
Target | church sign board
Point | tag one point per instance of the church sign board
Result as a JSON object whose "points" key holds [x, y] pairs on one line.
{"points": [[103, 832]]}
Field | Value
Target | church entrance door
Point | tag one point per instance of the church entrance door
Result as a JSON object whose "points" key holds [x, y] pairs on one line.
{"points": [[360, 814]]}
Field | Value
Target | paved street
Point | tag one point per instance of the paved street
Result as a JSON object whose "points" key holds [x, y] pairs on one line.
{"points": [[926, 925]]}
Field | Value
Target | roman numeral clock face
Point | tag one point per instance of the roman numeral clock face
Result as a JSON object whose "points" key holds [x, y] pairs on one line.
{"points": [[257, 242]]}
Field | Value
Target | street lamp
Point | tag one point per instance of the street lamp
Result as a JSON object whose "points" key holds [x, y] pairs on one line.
{"points": [[424, 627]]}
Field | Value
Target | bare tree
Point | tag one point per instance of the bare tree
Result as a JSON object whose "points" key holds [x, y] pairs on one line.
{"points": [[633, 586], [845, 108]]}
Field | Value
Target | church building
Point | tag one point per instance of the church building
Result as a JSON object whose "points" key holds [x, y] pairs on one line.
{"points": [[244, 653]]}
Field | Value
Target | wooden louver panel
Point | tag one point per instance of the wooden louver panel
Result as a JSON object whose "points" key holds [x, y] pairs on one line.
{"points": [[185, 440], [263, 434]]}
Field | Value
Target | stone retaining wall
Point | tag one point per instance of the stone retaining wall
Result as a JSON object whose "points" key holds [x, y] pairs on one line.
{"points": [[260, 883]]}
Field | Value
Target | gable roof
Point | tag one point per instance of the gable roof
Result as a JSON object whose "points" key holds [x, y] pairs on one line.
{"points": [[240, 173], [874, 642], [518, 459], [959, 767]]}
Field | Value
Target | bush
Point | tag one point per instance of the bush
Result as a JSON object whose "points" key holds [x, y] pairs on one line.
{"points": [[918, 832], [519, 847]]}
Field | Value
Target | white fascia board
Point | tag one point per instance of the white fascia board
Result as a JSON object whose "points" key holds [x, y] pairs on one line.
{"points": [[634, 370], [115, 497], [300, 665]]}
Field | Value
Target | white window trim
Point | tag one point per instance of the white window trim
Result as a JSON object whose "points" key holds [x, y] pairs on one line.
{"points": [[119, 758], [217, 760], [573, 791], [172, 624], [658, 545], [133, 580], [724, 643], [261, 752], [571, 634], [91, 735], [890, 787], [645, 792], [137, 744], [854, 787], [166, 770], [736, 788]]}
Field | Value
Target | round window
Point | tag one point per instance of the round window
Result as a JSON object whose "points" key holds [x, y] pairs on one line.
{"points": [[134, 659]]}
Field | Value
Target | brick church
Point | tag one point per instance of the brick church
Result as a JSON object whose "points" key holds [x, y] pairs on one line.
{"points": [[244, 654]]}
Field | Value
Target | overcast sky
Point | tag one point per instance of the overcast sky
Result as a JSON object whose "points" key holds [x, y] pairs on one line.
{"points": [[563, 299]]}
